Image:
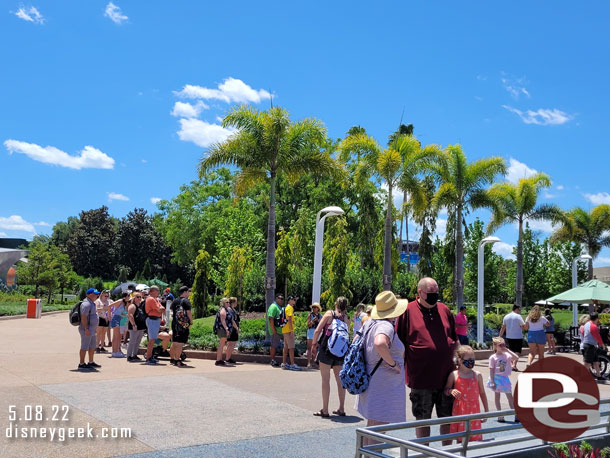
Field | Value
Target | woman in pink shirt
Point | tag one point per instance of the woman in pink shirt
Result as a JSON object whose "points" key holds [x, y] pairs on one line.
{"points": [[461, 326]]}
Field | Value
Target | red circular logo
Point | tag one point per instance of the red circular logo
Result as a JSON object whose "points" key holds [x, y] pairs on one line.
{"points": [[557, 399]]}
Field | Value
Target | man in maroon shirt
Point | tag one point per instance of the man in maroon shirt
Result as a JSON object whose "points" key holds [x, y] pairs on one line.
{"points": [[427, 330]]}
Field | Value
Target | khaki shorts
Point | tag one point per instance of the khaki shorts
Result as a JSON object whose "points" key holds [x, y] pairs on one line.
{"points": [[289, 340]]}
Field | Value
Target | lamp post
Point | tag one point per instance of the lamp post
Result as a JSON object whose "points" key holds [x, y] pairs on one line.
{"points": [[317, 257], [481, 287], [582, 257]]}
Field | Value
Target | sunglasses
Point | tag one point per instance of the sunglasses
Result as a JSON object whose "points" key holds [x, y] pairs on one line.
{"points": [[469, 361]]}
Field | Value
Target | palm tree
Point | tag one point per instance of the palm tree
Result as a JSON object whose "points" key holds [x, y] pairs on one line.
{"points": [[461, 186], [589, 228], [390, 165], [403, 130], [266, 144], [516, 203]]}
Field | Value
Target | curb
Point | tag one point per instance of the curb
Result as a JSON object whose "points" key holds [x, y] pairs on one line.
{"points": [[16, 317], [239, 357]]}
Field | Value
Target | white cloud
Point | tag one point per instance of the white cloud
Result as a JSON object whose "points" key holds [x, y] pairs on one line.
{"points": [[202, 133], [598, 199], [89, 158], [116, 196], [2, 234], [548, 195], [518, 170], [514, 86], [16, 223], [559, 187], [543, 226], [186, 110], [42, 223], [230, 90], [441, 228], [155, 200], [504, 249], [542, 117], [478, 98], [114, 13], [601, 261], [30, 14], [144, 161]]}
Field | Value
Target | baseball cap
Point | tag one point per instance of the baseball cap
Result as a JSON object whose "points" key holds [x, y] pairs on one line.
{"points": [[93, 291]]}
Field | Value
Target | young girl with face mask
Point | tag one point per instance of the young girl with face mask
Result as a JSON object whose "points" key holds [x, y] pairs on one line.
{"points": [[466, 386]]}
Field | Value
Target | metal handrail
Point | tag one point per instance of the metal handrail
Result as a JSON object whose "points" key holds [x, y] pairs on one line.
{"points": [[379, 432]]}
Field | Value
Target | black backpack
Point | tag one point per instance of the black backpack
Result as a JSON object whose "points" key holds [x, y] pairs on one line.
{"points": [[139, 316], [281, 320], [74, 315], [182, 319]]}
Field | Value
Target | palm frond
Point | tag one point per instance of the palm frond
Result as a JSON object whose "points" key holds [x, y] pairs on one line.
{"points": [[247, 178]]}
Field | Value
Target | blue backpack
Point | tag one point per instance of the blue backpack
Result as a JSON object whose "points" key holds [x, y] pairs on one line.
{"points": [[353, 374], [338, 342]]}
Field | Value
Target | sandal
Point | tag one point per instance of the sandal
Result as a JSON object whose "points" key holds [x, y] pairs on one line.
{"points": [[338, 412], [179, 363], [321, 414]]}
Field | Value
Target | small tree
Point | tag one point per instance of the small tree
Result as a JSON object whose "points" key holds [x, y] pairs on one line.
{"points": [[338, 252], [123, 274], [200, 285], [240, 263], [147, 271]]}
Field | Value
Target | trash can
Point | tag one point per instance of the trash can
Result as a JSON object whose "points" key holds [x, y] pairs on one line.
{"points": [[34, 308]]}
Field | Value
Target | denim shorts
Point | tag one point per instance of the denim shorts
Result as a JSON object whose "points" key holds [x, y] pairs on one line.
{"points": [[310, 333], [153, 328], [536, 337], [116, 321]]}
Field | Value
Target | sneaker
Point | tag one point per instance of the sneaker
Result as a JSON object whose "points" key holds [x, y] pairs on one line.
{"points": [[136, 358], [84, 367], [220, 363], [285, 366], [103, 350], [151, 361], [231, 361], [172, 361], [274, 363], [95, 365], [294, 367]]}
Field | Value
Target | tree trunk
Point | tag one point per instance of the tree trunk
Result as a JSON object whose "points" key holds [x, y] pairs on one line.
{"points": [[387, 252], [459, 260], [590, 264], [270, 267], [404, 197], [408, 246], [519, 282]]}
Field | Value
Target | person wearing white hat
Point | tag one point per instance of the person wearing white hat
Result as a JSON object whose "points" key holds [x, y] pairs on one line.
{"points": [[385, 399]]}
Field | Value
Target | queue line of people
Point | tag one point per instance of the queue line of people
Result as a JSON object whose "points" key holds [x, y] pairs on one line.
{"points": [[135, 313]]}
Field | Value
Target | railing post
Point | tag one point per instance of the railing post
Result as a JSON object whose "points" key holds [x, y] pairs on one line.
{"points": [[404, 452], [359, 443], [466, 437]]}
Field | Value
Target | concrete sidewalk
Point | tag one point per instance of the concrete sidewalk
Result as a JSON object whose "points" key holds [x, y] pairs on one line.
{"points": [[246, 410]]}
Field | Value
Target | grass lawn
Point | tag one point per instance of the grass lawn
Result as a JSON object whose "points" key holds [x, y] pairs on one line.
{"points": [[19, 308]]}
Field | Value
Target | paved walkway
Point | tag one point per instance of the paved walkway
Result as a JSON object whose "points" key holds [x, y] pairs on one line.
{"points": [[247, 410]]}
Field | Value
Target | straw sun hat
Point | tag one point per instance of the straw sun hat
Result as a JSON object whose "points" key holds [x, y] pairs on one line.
{"points": [[316, 304], [387, 306]]}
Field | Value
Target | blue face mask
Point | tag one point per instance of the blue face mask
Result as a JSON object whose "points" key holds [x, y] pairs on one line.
{"points": [[469, 363]]}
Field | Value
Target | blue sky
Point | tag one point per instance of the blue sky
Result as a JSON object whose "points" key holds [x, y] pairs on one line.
{"points": [[108, 101]]}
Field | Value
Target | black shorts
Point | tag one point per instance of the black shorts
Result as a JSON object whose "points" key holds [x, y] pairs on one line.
{"points": [[326, 357], [180, 336], [233, 337], [515, 345], [590, 353], [103, 322], [463, 339], [424, 400]]}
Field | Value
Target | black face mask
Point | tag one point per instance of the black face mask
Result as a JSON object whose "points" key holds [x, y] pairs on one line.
{"points": [[431, 298]]}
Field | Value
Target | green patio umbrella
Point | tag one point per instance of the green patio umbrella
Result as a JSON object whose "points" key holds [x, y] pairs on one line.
{"points": [[585, 293], [159, 283]]}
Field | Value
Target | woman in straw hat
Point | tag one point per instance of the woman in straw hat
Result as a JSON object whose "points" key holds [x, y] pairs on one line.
{"points": [[384, 401], [313, 319], [329, 361]]}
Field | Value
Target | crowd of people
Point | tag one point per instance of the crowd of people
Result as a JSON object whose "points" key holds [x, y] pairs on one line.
{"points": [[420, 344], [127, 319]]}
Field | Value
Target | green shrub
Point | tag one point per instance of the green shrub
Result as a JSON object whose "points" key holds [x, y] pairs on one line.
{"points": [[493, 320]]}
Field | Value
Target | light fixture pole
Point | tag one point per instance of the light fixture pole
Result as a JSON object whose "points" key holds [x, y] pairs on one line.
{"points": [[582, 257], [481, 287], [317, 257]]}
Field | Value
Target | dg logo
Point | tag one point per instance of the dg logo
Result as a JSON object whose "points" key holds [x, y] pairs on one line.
{"points": [[557, 399]]}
